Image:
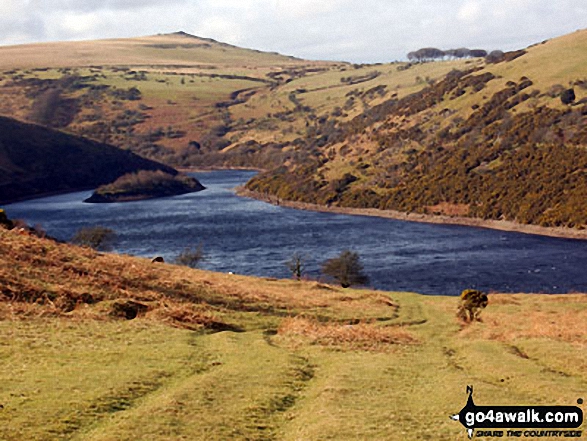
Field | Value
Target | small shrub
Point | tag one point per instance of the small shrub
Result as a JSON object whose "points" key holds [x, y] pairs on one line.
{"points": [[98, 238], [568, 96], [4, 221], [190, 257], [346, 269], [472, 302]]}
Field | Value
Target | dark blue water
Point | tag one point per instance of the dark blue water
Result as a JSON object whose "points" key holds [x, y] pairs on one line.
{"points": [[246, 236]]}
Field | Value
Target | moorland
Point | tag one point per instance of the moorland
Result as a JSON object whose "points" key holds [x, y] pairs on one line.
{"points": [[104, 346], [484, 138], [99, 346]]}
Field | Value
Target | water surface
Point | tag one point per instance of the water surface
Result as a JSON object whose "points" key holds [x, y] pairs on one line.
{"points": [[246, 236]]}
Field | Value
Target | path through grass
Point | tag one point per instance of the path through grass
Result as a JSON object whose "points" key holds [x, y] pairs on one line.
{"points": [[219, 357]]}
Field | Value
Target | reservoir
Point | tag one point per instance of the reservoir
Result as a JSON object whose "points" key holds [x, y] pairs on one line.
{"points": [[246, 236]]}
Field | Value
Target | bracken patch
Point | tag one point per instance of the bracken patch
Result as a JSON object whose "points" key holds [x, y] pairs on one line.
{"points": [[361, 336]]}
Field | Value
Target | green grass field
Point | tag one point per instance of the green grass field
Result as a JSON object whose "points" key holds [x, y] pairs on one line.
{"points": [[303, 361], [187, 77], [224, 357]]}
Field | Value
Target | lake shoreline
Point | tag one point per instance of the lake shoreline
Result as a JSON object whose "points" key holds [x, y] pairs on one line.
{"points": [[46, 194], [249, 237], [209, 168], [558, 232]]}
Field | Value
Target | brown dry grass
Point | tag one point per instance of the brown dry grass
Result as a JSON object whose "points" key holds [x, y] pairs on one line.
{"points": [[361, 336], [512, 317], [187, 104], [40, 277], [319, 361], [448, 209], [137, 52]]}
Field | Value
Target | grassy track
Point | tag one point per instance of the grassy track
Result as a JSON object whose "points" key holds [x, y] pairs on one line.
{"points": [[301, 369]]}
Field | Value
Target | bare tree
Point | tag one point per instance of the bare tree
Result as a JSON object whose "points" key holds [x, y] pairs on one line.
{"points": [[191, 257], [346, 269], [478, 53], [98, 237], [296, 265], [495, 56], [462, 52]]}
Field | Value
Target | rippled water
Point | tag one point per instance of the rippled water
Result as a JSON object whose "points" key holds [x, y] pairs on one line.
{"points": [[246, 236]]}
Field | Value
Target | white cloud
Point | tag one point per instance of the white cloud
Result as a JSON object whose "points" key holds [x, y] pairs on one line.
{"points": [[470, 11], [80, 23], [301, 9], [11, 7], [353, 30], [224, 29], [95, 5]]}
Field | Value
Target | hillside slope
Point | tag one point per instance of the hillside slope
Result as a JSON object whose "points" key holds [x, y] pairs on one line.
{"points": [[191, 102], [167, 97], [460, 138], [100, 347], [36, 160], [177, 49], [493, 141]]}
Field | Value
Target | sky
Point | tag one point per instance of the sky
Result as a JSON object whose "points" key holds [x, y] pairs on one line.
{"points": [[360, 31]]}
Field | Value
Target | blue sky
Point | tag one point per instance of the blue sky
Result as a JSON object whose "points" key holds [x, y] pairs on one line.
{"points": [[349, 30]]}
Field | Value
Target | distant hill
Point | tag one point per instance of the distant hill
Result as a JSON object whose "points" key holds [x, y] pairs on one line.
{"points": [[492, 139], [176, 49], [504, 141], [36, 160], [167, 97]]}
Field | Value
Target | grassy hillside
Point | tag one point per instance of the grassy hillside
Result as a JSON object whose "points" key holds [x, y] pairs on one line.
{"points": [[177, 49], [461, 138], [493, 141], [165, 97], [36, 160], [100, 347], [192, 101]]}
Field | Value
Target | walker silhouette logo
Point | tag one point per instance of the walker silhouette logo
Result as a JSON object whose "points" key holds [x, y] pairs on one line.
{"points": [[530, 418]]}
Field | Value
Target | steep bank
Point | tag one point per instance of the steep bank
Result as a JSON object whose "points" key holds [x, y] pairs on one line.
{"points": [[35, 160], [501, 141], [568, 233]]}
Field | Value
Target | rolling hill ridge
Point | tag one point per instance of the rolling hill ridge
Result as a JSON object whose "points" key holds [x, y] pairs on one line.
{"points": [[493, 141], [466, 137]]}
